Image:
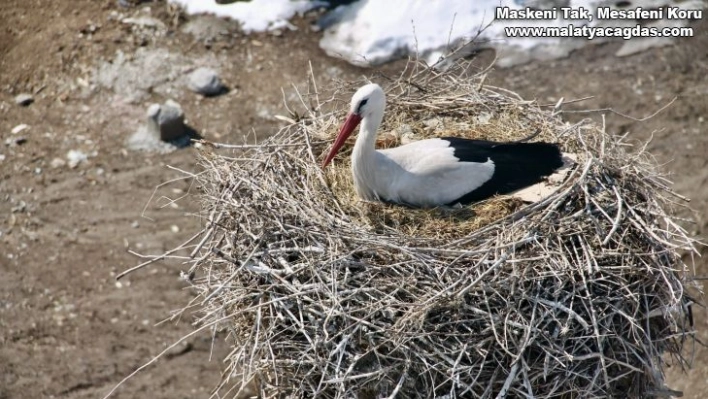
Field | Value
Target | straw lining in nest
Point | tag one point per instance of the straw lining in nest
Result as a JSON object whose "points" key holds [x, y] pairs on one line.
{"points": [[579, 295]]}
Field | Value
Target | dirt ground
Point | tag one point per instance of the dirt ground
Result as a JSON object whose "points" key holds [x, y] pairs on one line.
{"points": [[67, 329]]}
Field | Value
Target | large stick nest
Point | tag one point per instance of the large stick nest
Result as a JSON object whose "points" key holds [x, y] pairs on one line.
{"points": [[582, 294]]}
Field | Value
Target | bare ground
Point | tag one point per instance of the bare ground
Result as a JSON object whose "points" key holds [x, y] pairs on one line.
{"points": [[67, 330]]}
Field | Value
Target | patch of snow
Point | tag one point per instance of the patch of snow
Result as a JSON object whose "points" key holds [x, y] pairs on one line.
{"points": [[254, 15], [371, 32]]}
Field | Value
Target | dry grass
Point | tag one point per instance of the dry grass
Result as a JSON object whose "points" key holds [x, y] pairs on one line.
{"points": [[580, 295]]}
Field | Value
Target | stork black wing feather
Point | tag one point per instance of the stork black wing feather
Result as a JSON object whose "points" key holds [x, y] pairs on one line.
{"points": [[516, 165]]}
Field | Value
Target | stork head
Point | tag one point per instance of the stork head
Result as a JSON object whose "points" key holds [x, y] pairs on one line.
{"points": [[369, 101]]}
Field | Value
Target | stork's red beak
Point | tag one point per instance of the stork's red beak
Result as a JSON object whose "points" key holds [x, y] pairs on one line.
{"points": [[349, 125]]}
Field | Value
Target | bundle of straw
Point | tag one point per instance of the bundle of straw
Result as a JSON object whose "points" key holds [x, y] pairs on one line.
{"points": [[582, 294]]}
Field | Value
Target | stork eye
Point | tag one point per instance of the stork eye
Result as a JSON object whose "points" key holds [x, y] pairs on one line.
{"points": [[361, 104]]}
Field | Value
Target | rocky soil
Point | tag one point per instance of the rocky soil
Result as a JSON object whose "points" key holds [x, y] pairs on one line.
{"points": [[77, 202]]}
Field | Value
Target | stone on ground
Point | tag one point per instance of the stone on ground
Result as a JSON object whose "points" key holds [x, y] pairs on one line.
{"points": [[164, 130], [166, 122], [205, 81], [24, 99]]}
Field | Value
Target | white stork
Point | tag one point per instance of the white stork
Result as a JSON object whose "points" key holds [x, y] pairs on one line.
{"points": [[439, 171]]}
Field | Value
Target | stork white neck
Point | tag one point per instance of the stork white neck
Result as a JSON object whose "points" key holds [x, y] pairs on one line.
{"points": [[367, 108], [365, 162], [365, 146]]}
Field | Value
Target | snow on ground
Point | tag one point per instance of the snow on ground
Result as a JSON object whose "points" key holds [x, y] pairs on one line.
{"points": [[254, 15], [371, 32]]}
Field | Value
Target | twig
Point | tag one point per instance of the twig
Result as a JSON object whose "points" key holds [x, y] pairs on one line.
{"points": [[158, 258], [621, 114], [509, 380]]}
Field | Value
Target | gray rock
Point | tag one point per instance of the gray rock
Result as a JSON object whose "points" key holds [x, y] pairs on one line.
{"points": [[166, 121], [205, 81], [24, 99], [15, 141], [164, 130]]}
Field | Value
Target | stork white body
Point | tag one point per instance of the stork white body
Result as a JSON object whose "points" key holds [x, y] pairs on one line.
{"points": [[424, 173], [439, 171]]}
